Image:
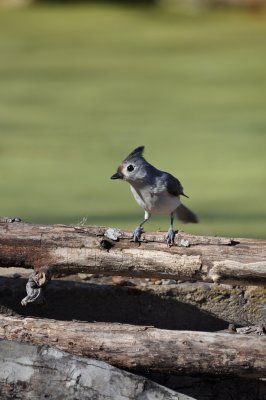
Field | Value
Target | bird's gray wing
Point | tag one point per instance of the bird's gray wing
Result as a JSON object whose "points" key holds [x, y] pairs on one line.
{"points": [[174, 186]]}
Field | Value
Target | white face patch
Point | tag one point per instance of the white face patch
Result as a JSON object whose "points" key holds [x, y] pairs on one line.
{"points": [[128, 171]]}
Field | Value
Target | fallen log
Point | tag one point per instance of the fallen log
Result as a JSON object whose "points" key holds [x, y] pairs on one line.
{"points": [[143, 348], [63, 376], [68, 249]]}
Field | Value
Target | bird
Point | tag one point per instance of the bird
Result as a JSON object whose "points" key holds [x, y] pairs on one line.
{"points": [[157, 192]]}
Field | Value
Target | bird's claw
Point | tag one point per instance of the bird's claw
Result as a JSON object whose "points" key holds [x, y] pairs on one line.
{"points": [[170, 237], [137, 234]]}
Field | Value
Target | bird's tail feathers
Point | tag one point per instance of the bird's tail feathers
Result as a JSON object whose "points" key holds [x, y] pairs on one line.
{"points": [[185, 215]]}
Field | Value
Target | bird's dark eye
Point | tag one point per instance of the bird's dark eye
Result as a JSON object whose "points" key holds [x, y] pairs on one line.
{"points": [[130, 168]]}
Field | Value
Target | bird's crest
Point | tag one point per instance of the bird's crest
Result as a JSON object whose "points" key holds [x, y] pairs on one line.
{"points": [[138, 152]]}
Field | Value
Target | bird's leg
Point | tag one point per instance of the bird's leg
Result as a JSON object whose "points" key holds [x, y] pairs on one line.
{"points": [[138, 231], [170, 238]]}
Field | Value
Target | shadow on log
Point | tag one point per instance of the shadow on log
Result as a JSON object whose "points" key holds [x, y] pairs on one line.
{"points": [[63, 250], [106, 303], [98, 302]]}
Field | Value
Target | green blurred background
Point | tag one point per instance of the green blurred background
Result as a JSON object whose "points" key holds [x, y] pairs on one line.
{"points": [[81, 86]]}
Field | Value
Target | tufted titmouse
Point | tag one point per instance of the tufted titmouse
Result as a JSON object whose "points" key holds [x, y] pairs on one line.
{"points": [[156, 191]]}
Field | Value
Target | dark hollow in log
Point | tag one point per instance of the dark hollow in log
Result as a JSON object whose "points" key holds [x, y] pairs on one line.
{"points": [[68, 249], [143, 348], [105, 303]]}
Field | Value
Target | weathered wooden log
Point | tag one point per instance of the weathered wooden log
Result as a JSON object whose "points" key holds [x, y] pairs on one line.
{"points": [[68, 249], [64, 376], [142, 348]]}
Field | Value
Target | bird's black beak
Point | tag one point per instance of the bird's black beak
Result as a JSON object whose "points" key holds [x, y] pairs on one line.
{"points": [[117, 175]]}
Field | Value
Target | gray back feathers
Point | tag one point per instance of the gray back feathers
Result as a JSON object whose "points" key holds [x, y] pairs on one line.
{"points": [[164, 180]]}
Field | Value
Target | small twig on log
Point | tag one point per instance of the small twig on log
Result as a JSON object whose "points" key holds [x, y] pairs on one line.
{"points": [[142, 348], [34, 288], [252, 330]]}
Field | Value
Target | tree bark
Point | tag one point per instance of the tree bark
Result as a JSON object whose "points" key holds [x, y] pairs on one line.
{"points": [[143, 348], [42, 372], [68, 249]]}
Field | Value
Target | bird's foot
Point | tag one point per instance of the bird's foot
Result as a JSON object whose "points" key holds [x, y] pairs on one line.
{"points": [[137, 234], [170, 237]]}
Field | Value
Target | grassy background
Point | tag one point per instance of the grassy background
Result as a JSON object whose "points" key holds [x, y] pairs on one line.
{"points": [[80, 87]]}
